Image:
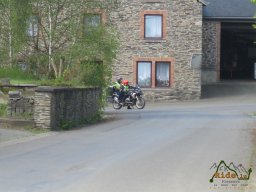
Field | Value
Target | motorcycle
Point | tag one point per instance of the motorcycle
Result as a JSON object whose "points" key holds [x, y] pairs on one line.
{"points": [[133, 97]]}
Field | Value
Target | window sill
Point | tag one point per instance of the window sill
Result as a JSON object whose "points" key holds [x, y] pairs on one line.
{"points": [[154, 40], [154, 1], [156, 89]]}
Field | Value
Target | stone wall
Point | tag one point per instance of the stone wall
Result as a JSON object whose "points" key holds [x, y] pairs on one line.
{"points": [[181, 39], [59, 108], [211, 52]]}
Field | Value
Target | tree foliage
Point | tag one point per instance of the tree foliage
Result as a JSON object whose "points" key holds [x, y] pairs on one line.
{"points": [[51, 37], [13, 26], [254, 1]]}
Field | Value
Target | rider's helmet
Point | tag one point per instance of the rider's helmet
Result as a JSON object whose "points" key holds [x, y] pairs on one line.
{"points": [[125, 82], [119, 79]]}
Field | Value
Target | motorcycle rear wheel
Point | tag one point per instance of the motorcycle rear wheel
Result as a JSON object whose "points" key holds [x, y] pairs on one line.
{"points": [[140, 103], [116, 105]]}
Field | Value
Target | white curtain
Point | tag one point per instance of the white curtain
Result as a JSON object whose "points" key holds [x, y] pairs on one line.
{"points": [[144, 74], [153, 26], [92, 20], [33, 26], [163, 74]]}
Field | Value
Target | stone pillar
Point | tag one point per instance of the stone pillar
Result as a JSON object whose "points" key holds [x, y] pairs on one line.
{"points": [[211, 52], [42, 108]]}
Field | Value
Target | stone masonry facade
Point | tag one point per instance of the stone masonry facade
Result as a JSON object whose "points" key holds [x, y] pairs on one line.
{"points": [[181, 39], [211, 51]]}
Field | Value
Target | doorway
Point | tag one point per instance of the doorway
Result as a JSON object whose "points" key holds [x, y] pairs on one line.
{"points": [[238, 51]]}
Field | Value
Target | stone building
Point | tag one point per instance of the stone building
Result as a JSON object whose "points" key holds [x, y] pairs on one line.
{"points": [[160, 47], [171, 48]]}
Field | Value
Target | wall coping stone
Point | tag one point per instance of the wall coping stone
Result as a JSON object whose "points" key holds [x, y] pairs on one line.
{"points": [[157, 89], [60, 89], [19, 85]]}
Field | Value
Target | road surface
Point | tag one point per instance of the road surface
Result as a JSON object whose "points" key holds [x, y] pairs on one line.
{"points": [[165, 147]]}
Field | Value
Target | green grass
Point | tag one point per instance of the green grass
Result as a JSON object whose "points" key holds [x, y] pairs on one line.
{"points": [[252, 114], [24, 81], [3, 110], [16, 75]]}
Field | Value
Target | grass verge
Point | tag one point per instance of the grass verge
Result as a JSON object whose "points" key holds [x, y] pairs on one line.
{"points": [[3, 110]]}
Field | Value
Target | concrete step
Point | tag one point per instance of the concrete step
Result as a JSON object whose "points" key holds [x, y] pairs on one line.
{"points": [[229, 88]]}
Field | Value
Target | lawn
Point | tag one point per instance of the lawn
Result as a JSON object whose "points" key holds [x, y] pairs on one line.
{"points": [[17, 76], [3, 109], [24, 81]]}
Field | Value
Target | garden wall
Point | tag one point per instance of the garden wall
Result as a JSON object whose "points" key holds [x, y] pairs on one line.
{"points": [[55, 108], [61, 108]]}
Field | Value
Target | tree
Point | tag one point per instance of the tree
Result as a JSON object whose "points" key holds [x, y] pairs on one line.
{"points": [[61, 40], [254, 1], [13, 26]]}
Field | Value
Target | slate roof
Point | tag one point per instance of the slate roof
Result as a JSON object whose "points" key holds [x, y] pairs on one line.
{"points": [[229, 9]]}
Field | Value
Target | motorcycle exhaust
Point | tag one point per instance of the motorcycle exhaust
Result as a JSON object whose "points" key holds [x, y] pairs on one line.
{"points": [[116, 99]]}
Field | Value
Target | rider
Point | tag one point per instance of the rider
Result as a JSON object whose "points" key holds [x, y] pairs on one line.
{"points": [[126, 85], [126, 89], [119, 88]]}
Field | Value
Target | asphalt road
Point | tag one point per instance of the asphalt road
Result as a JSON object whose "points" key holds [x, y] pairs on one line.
{"points": [[163, 148]]}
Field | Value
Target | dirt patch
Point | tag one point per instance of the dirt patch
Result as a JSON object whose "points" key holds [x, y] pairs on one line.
{"points": [[15, 123]]}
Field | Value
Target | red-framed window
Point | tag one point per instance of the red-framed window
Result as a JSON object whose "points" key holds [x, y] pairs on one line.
{"points": [[153, 24], [154, 72], [163, 74], [144, 73]]}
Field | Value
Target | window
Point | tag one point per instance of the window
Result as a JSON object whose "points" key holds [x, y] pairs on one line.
{"points": [[91, 21], [162, 74], [33, 26], [153, 72], [153, 26], [144, 74]]}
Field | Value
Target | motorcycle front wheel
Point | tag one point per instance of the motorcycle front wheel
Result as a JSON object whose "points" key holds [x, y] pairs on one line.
{"points": [[116, 105], [140, 103]]}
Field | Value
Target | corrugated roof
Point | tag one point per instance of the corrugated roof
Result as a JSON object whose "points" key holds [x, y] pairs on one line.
{"points": [[237, 9]]}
